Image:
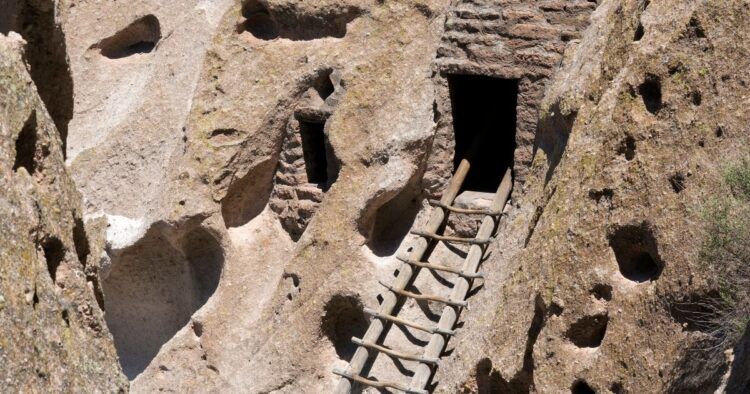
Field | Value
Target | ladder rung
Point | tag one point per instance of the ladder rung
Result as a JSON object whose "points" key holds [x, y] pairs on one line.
{"points": [[465, 211], [398, 320], [425, 296], [377, 384], [473, 241], [438, 267], [394, 353]]}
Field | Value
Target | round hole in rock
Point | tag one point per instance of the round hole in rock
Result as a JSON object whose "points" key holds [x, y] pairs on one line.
{"points": [[602, 292], [636, 252], [650, 91], [588, 331], [258, 21], [153, 289], [140, 36], [343, 319], [581, 387]]}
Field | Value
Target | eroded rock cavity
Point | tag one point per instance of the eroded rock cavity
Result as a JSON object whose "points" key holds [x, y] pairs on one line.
{"points": [[154, 287]]}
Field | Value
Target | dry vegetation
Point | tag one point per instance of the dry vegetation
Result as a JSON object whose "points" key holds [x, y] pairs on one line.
{"points": [[726, 251]]}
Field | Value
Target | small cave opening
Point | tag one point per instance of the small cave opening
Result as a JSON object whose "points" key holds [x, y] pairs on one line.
{"points": [[602, 291], [393, 220], [344, 318], [639, 32], [324, 84], [650, 91], [484, 124], [588, 331], [627, 148], [26, 146], [581, 387], [677, 181], [140, 37], [153, 289], [258, 21], [314, 152], [81, 241], [54, 254], [636, 252]]}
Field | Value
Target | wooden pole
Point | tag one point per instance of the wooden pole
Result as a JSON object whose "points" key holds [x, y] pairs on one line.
{"points": [[435, 347], [405, 276]]}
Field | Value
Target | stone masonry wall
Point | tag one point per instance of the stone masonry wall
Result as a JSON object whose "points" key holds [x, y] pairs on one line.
{"points": [[508, 39]]}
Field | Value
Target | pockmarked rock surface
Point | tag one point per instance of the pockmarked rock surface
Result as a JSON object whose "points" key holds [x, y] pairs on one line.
{"points": [[251, 169], [636, 130], [54, 337]]}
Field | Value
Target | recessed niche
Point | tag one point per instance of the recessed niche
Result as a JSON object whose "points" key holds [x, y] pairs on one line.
{"points": [[258, 21], [602, 292], [54, 254], [627, 147], [650, 91], [154, 288], [393, 220], [484, 123], [27, 146], [140, 37], [343, 319], [636, 252], [581, 387], [639, 32], [248, 196], [80, 241], [314, 151], [588, 331]]}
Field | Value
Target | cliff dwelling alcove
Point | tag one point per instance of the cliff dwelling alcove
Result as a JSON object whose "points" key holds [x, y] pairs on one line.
{"points": [[484, 123], [307, 165], [314, 152], [154, 288]]}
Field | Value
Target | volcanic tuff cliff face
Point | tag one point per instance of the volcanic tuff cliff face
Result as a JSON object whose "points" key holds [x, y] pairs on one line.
{"points": [[250, 170], [54, 335]]}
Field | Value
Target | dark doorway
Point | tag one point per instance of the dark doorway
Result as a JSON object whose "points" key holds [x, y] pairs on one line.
{"points": [[484, 123], [314, 151]]}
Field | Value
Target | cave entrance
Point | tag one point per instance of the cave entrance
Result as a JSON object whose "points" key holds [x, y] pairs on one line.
{"points": [[484, 125], [314, 151]]}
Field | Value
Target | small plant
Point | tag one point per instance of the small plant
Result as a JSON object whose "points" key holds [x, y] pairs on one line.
{"points": [[726, 250]]}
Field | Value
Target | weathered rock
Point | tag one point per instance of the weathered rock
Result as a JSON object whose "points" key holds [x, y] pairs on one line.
{"points": [[251, 168], [53, 333]]}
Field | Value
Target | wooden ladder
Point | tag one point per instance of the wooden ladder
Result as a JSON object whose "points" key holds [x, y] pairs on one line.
{"points": [[428, 360]]}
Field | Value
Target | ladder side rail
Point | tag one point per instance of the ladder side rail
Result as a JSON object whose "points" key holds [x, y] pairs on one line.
{"points": [[436, 345], [390, 299]]}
